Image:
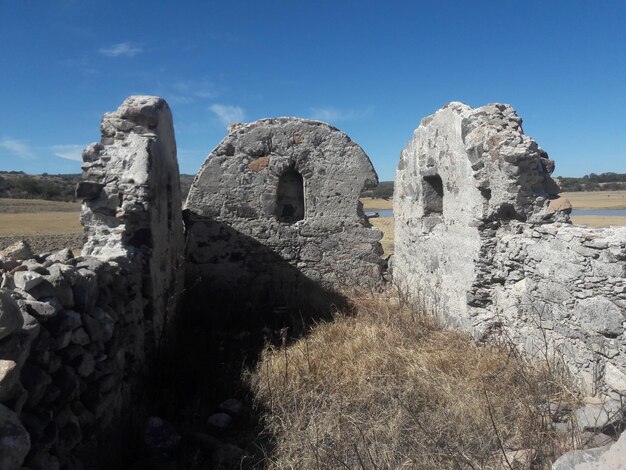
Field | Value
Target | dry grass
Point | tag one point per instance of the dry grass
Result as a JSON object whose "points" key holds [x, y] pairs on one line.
{"points": [[386, 388], [579, 200], [597, 199]]}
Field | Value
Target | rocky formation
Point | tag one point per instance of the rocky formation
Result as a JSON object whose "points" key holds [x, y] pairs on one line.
{"points": [[482, 237], [608, 457], [276, 205]]}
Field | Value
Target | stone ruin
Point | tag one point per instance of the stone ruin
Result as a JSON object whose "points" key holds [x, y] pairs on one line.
{"points": [[79, 335], [275, 210], [481, 237]]}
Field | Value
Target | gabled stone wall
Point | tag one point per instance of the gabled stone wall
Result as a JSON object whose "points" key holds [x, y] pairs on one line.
{"points": [[483, 238], [78, 335], [276, 207]]}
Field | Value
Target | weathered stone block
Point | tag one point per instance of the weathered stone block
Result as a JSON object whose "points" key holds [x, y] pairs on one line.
{"points": [[11, 318]]}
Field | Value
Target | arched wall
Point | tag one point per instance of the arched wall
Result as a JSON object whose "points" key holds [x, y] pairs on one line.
{"points": [[235, 240]]}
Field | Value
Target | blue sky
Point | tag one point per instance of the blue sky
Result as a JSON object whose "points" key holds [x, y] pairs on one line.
{"points": [[372, 68]]}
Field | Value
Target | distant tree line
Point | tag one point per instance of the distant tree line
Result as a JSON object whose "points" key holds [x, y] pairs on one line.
{"points": [[594, 182], [384, 190], [18, 185]]}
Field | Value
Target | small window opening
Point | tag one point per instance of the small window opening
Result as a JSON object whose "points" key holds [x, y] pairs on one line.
{"points": [[290, 197], [433, 195]]}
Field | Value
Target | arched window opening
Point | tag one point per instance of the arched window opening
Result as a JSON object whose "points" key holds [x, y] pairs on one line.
{"points": [[290, 197], [433, 195]]}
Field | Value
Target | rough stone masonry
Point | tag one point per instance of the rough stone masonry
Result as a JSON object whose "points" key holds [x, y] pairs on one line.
{"points": [[483, 238], [275, 207], [78, 334], [132, 204]]}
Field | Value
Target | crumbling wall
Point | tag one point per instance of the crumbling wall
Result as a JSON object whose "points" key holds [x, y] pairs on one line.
{"points": [[276, 205], [132, 204], [78, 334], [483, 238]]}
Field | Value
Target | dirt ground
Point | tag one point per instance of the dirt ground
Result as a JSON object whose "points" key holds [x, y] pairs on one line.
{"points": [[46, 225]]}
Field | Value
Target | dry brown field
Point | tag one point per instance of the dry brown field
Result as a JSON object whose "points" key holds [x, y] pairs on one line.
{"points": [[17, 206], [597, 199], [47, 225], [372, 204]]}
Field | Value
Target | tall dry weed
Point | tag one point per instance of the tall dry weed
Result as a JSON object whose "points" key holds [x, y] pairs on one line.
{"points": [[383, 387]]}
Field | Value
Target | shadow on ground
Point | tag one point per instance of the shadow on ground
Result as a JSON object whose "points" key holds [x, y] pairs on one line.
{"points": [[223, 325]]}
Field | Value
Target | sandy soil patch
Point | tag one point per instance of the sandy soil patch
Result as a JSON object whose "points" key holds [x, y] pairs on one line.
{"points": [[599, 221], [597, 199]]}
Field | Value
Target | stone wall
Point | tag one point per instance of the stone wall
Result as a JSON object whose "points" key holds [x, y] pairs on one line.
{"points": [[276, 207], [132, 205], [565, 287], [79, 334], [483, 238], [71, 355]]}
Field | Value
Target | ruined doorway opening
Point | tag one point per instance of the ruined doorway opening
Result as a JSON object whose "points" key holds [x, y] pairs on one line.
{"points": [[433, 195], [290, 197]]}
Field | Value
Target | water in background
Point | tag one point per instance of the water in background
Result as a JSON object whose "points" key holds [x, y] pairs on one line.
{"points": [[605, 212], [380, 212]]}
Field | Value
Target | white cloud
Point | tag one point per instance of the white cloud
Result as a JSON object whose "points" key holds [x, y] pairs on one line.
{"points": [[18, 148], [331, 114], [188, 91], [228, 114], [69, 152], [120, 49]]}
